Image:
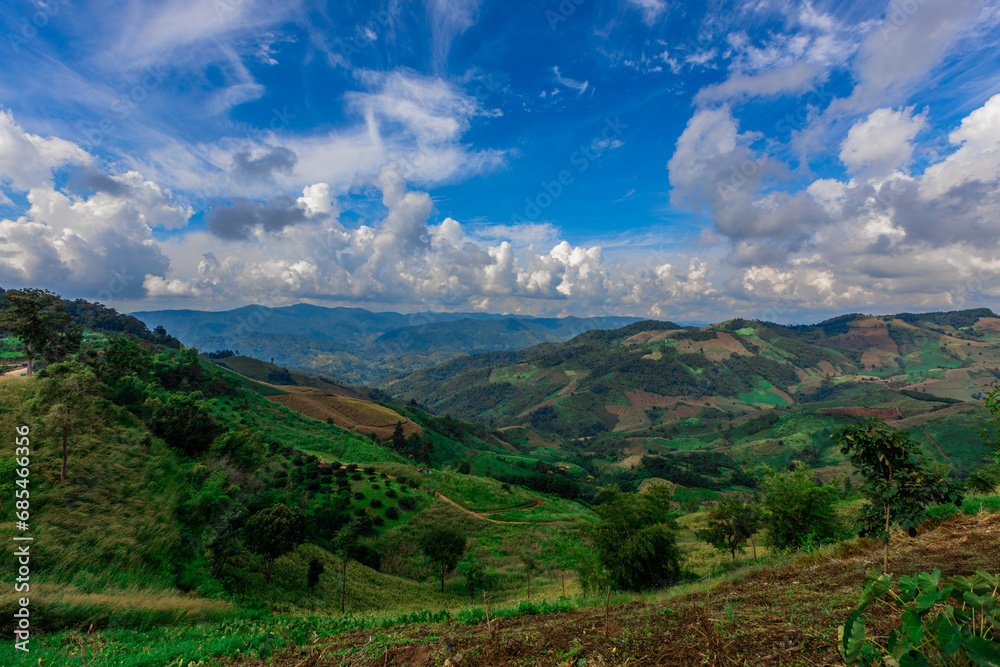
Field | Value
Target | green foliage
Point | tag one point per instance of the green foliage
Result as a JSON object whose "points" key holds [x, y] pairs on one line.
{"points": [[730, 524], [635, 539], [39, 319], [183, 421], [899, 482], [315, 571], [991, 435], [242, 447], [952, 621], [445, 547], [797, 508], [64, 396], [275, 531]]}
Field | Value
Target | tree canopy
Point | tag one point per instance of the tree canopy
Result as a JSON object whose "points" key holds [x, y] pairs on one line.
{"points": [[635, 538], [275, 531], [39, 319], [730, 524], [445, 547]]}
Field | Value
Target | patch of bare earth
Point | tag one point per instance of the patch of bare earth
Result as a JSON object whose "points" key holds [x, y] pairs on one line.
{"points": [[781, 616]]}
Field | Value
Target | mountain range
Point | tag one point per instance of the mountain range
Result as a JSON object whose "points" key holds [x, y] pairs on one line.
{"points": [[354, 345]]}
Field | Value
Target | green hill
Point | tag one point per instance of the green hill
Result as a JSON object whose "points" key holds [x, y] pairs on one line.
{"points": [[748, 392]]}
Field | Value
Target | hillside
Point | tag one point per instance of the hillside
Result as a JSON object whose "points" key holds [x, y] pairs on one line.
{"points": [[360, 346], [750, 392]]}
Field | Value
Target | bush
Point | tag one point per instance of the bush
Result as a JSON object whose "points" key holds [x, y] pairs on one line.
{"points": [[357, 477], [369, 470], [358, 495], [407, 504], [375, 504], [392, 513], [391, 494], [360, 512], [351, 467], [797, 509], [378, 521], [635, 539]]}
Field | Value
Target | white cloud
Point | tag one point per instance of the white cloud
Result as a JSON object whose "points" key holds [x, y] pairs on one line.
{"points": [[316, 200], [977, 158], [907, 46], [579, 86], [792, 78], [881, 143], [27, 160], [651, 9]]}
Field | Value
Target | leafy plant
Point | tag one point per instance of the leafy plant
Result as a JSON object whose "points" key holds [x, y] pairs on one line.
{"points": [[952, 621], [899, 481]]}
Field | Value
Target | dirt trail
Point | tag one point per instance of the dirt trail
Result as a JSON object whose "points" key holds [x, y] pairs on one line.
{"points": [[931, 438], [485, 515]]}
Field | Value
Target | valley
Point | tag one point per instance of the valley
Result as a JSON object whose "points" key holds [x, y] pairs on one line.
{"points": [[179, 459]]}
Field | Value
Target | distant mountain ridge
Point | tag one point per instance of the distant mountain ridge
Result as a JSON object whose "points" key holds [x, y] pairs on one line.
{"points": [[648, 375], [361, 346]]}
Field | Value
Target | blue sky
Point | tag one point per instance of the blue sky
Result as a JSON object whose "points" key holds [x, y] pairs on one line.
{"points": [[684, 161]]}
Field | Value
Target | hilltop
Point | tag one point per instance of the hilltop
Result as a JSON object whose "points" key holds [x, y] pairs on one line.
{"points": [[360, 346], [746, 391]]}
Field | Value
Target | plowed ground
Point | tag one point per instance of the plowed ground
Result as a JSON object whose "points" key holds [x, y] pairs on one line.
{"points": [[347, 413], [776, 616]]}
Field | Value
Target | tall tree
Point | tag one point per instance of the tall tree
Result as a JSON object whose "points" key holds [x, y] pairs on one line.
{"points": [[65, 395], [899, 483], [274, 532], [39, 319], [445, 547]]}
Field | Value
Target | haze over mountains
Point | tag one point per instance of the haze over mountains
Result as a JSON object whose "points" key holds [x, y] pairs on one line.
{"points": [[360, 346]]}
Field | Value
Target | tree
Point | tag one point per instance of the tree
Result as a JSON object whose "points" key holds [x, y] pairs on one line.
{"points": [[796, 507], [274, 532], [123, 358], [899, 483], [730, 524], [39, 319], [315, 570], [530, 566], [183, 421], [444, 547], [65, 395], [344, 545], [635, 539]]}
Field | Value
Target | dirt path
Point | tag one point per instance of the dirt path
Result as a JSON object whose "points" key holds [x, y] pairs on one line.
{"points": [[931, 438], [486, 518], [484, 515]]}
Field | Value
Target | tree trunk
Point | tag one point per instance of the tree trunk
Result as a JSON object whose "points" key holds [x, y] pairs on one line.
{"points": [[343, 589], [753, 541], [442, 577], [31, 367], [562, 577], [65, 438], [885, 558]]}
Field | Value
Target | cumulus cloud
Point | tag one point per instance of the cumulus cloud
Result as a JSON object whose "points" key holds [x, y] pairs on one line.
{"points": [[881, 143], [27, 160], [875, 238]]}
